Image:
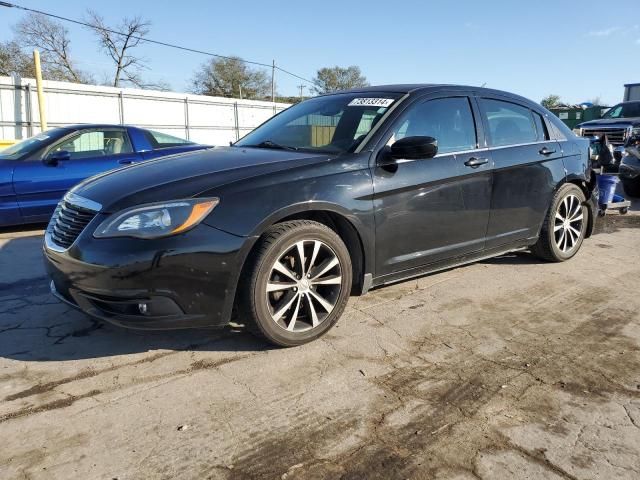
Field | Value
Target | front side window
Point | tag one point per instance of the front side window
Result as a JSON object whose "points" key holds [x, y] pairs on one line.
{"points": [[334, 124], [448, 120], [95, 143], [509, 124]]}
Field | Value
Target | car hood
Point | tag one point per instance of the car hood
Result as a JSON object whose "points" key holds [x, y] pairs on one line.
{"points": [[610, 122], [186, 175]]}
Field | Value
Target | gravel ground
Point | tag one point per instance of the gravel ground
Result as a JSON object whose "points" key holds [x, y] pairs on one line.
{"points": [[508, 368]]}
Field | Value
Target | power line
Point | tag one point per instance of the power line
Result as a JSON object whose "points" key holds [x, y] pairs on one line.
{"points": [[148, 40]]}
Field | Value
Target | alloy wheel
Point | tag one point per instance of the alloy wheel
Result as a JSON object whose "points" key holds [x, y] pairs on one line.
{"points": [[567, 228], [304, 285]]}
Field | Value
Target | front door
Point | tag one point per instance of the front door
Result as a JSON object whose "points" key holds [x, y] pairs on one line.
{"points": [[39, 185], [433, 209]]}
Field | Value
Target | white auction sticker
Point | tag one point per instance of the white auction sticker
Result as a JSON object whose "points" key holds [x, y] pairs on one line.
{"points": [[371, 102]]}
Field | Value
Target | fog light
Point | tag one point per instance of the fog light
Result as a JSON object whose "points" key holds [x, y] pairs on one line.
{"points": [[143, 308]]}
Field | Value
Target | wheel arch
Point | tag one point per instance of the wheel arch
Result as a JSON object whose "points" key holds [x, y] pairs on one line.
{"points": [[349, 229], [587, 188]]}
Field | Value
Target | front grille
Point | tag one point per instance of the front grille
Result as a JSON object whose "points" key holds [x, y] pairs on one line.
{"points": [[615, 136], [67, 223]]}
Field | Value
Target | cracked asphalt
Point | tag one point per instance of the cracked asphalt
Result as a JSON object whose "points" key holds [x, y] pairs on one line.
{"points": [[508, 368]]}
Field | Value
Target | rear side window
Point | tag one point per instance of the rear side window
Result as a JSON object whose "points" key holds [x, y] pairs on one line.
{"points": [[448, 120], [509, 124], [162, 140]]}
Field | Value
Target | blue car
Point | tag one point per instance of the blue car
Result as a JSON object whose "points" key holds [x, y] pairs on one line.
{"points": [[37, 172]]}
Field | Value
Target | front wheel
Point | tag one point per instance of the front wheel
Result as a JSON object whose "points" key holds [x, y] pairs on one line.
{"points": [[564, 226], [298, 283]]}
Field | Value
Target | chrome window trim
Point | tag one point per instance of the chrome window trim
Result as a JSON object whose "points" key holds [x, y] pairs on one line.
{"points": [[448, 154], [462, 152], [539, 142]]}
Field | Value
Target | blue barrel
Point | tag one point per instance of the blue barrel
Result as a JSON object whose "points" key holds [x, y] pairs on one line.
{"points": [[607, 185]]}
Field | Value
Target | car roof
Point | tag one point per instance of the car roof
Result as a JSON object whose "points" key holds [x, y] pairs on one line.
{"points": [[84, 126], [432, 87]]}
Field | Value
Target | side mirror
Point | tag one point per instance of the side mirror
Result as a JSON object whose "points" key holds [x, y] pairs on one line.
{"points": [[414, 148], [59, 156]]}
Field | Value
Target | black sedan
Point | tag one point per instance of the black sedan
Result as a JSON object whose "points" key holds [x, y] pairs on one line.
{"points": [[331, 197]]}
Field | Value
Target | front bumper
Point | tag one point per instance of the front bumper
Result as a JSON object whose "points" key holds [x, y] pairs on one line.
{"points": [[184, 281]]}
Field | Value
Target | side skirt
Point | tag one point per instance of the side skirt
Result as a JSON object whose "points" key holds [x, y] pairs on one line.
{"points": [[452, 263]]}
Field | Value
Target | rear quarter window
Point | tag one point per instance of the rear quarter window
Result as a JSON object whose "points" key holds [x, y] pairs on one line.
{"points": [[164, 140]]}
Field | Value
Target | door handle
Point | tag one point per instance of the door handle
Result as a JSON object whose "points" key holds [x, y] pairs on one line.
{"points": [[475, 162], [546, 151], [125, 161]]}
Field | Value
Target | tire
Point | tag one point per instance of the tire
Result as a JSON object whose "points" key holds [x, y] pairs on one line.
{"points": [[631, 187], [289, 311], [561, 237]]}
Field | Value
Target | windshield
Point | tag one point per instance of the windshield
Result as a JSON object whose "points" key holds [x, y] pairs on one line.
{"points": [[624, 110], [329, 124], [33, 143]]}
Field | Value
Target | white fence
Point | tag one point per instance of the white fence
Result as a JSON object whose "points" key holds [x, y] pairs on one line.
{"points": [[210, 120]]}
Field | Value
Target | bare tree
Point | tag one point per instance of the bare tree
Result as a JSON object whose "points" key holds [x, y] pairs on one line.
{"points": [[118, 46], [230, 77], [13, 60], [52, 38]]}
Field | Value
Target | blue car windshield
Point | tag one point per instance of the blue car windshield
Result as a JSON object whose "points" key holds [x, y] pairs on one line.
{"points": [[32, 144], [333, 124]]}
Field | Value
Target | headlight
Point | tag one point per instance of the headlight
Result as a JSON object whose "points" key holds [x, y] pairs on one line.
{"points": [[157, 219], [577, 131], [635, 131]]}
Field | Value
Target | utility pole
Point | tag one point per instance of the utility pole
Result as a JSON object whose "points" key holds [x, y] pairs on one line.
{"points": [[273, 81], [41, 107], [301, 87]]}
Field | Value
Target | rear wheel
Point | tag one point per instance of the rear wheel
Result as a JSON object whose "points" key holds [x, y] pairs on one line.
{"points": [[298, 285], [564, 227], [631, 187]]}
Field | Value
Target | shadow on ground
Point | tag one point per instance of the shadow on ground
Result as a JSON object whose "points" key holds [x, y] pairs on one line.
{"points": [[34, 326]]}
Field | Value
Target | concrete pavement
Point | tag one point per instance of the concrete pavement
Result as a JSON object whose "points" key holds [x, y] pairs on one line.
{"points": [[508, 368]]}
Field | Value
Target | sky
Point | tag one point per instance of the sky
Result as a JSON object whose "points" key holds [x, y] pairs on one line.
{"points": [[578, 49]]}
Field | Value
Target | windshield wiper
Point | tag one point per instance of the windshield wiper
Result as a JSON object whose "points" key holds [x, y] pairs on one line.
{"points": [[271, 144]]}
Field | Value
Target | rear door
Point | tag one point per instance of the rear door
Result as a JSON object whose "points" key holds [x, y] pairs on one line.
{"points": [[433, 209], [527, 168], [39, 186]]}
